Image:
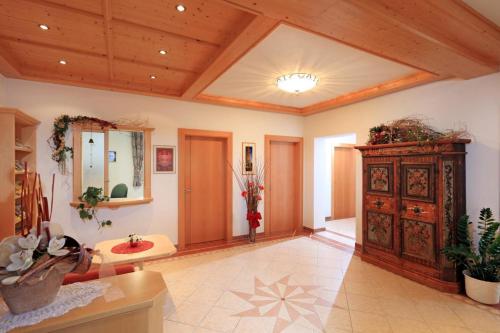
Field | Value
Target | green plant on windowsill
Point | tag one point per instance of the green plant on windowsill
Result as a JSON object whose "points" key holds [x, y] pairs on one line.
{"points": [[90, 200]]}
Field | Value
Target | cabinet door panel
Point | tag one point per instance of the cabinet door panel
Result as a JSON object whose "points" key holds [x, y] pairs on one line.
{"points": [[380, 230], [380, 178], [418, 181], [419, 241]]}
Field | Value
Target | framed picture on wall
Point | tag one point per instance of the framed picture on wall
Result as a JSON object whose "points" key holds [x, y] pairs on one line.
{"points": [[248, 158], [112, 156], [164, 159]]}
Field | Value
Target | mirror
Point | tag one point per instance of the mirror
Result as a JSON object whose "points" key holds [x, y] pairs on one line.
{"points": [[116, 160], [126, 165]]}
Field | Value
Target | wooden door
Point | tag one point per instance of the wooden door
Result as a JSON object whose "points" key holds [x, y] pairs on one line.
{"points": [[343, 182], [283, 205], [204, 187]]}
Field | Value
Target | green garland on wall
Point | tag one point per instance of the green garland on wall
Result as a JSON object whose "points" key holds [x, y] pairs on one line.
{"points": [[57, 140]]}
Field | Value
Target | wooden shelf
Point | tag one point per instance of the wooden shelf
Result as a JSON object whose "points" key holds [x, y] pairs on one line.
{"points": [[24, 149], [18, 173], [117, 203], [17, 127]]}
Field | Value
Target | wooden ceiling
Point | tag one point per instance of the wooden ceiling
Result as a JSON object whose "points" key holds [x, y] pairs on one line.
{"points": [[114, 44]]}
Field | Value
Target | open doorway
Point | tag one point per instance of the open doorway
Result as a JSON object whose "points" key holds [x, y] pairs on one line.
{"points": [[334, 178]]}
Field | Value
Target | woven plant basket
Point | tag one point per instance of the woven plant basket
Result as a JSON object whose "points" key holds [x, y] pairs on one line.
{"points": [[33, 293]]}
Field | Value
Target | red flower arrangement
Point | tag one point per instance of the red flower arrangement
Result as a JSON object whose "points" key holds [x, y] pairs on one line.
{"points": [[252, 189]]}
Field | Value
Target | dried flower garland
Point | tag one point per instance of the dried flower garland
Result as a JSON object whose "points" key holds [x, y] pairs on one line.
{"points": [[411, 129], [57, 140]]}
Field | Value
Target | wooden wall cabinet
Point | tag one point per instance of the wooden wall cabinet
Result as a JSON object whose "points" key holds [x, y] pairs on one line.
{"points": [[19, 127], [413, 196]]}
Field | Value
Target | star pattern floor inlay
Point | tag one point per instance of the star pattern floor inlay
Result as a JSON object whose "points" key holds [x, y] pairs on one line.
{"points": [[285, 301]]}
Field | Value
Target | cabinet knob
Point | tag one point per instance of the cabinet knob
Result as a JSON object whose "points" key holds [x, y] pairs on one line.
{"points": [[418, 210], [379, 203]]}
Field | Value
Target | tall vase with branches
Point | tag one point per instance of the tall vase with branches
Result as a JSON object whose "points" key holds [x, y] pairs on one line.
{"points": [[252, 188]]}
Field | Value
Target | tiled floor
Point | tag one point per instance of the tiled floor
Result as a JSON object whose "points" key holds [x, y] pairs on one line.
{"points": [[303, 285], [345, 227]]}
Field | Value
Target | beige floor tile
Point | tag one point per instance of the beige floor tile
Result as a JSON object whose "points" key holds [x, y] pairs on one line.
{"points": [[369, 323], [365, 289], [334, 318], [172, 326], [400, 307], [403, 325], [220, 319], [443, 328], [475, 318], [364, 303], [206, 294], [253, 325], [438, 314], [229, 300], [190, 313]]}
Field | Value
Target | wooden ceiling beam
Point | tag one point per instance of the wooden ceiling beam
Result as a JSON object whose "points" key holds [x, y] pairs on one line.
{"points": [[385, 88], [245, 104], [367, 26], [108, 33], [449, 23], [247, 37], [66, 8], [8, 65]]}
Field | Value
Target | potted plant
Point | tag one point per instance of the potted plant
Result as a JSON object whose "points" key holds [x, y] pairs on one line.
{"points": [[87, 209], [134, 240], [252, 188], [482, 264], [32, 267]]}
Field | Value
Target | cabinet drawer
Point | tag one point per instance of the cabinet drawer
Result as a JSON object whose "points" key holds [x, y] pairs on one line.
{"points": [[416, 210], [379, 203]]}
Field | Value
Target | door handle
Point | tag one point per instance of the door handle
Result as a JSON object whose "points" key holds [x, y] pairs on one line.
{"points": [[187, 190]]}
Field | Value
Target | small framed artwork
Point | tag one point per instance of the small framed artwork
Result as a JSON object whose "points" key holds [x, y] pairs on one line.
{"points": [[248, 158], [164, 159], [112, 156]]}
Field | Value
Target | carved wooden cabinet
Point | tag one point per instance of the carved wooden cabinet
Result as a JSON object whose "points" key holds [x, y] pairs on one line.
{"points": [[413, 195]]}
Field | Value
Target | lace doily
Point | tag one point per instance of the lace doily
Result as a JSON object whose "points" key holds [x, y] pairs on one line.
{"points": [[69, 297]]}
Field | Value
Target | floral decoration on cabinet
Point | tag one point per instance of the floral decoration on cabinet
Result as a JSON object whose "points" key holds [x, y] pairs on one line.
{"points": [[380, 229]]}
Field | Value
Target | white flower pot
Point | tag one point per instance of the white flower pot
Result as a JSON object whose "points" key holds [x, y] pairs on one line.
{"points": [[482, 291]]}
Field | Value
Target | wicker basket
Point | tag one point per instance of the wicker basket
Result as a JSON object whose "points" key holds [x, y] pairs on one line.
{"points": [[33, 293]]}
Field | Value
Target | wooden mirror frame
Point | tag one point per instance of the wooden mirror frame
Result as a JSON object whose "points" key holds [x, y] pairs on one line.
{"points": [[77, 163]]}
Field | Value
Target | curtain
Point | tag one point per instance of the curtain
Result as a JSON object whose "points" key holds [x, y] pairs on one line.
{"points": [[138, 157]]}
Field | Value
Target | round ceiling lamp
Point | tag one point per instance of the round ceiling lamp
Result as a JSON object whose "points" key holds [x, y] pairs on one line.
{"points": [[297, 83]]}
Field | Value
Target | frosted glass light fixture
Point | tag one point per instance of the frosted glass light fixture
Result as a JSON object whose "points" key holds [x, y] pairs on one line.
{"points": [[297, 83]]}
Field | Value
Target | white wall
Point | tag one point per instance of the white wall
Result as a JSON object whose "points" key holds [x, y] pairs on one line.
{"points": [[47, 101], [448, 104]]}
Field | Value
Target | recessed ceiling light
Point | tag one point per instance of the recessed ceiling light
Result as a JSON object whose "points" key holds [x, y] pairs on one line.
{"points": [[62, 62], [297, 82], [43, 26], [152, 76], [180, 7], [162, 52]]}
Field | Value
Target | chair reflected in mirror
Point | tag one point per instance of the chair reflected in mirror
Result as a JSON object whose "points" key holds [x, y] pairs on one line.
{"points": [[119, 191]]}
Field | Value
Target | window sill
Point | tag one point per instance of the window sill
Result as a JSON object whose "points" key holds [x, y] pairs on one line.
{"points": [[115, 204]]}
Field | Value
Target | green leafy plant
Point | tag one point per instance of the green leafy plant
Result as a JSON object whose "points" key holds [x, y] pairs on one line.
{"points": [[482, 263], [87, 209], [57, 141]]}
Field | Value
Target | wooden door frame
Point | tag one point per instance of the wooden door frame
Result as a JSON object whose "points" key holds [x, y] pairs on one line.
{"points": [[183, 133], [267, 178]]}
